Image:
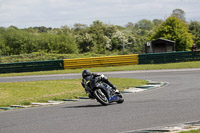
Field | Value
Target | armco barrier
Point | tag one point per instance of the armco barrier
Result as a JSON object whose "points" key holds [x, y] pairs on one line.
{"points": [[155, 58], [31, 66], [172, 57], [101, 61]]}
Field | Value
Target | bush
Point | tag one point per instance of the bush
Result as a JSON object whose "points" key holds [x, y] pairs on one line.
{"points": [[42, 56]]}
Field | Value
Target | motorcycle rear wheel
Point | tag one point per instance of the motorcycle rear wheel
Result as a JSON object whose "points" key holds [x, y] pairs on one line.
{"points": [[101, 97]]}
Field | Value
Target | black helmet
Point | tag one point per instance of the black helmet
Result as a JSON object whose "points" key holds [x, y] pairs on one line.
{"points": [[86, 73]]}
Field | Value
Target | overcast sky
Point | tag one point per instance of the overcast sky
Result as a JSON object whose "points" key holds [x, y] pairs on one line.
{"points": [[57, 13]]}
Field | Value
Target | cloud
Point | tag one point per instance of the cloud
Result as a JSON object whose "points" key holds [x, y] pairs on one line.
{"points": [[55, 13]]}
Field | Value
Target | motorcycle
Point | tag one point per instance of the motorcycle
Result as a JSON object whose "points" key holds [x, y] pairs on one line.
{"points": [[103, 93]]}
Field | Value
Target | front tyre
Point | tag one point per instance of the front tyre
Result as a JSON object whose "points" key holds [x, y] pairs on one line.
{"points": [[101, 97], [121, 98]]}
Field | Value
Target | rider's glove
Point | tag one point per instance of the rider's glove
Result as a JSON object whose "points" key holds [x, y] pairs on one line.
{"points": [[114, 87], [103, 77]]}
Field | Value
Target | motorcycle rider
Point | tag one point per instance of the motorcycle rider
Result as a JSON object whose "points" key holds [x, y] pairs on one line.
{"points": [[87, 76]]}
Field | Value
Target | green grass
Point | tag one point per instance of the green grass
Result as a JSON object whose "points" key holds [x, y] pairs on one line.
{"points": [[193, 64], [192, 131], [23, 93]]}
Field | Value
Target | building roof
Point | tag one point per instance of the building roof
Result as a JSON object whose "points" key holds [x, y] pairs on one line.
{"points": [[161, 39]]}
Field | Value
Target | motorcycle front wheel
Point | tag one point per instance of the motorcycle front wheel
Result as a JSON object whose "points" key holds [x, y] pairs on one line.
{"points": [[121, 98], [101, 97]]}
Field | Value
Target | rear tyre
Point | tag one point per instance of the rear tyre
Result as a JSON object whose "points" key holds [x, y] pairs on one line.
{"points": [[101, 97]]}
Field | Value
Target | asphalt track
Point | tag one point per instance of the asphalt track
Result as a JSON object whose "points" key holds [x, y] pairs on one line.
{"points": [[176, 103]]}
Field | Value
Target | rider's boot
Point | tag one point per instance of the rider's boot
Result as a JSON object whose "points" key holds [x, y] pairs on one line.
{"points": [[90, 96]]}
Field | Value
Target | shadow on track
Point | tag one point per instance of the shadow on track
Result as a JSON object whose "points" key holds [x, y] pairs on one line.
{"points": [[85, 106], [89, 106]]}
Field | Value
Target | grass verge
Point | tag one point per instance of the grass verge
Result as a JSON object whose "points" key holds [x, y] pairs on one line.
{"points": [[192, 131], [23, 93], [193, 64]]}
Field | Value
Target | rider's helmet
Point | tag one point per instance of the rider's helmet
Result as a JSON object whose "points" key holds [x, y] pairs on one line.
{"points": [[86, 73]]}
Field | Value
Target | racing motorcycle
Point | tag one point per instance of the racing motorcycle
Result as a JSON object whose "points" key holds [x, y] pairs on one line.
{"points": [[103, 93]]}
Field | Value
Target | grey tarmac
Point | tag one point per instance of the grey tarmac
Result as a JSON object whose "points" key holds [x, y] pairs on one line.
{"points": [[176, 103]]}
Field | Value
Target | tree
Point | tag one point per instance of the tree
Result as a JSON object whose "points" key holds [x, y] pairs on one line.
{"points": [[179, 13], [98, 32], [138, 33], [157, 22], [14, 40], [177, 30], [139, 44], [85, 42], [65, 29], [129, 25], [57, 43], [4, 50], [78, 28], [194, 28], [119, 41], [66, 44], [143, 26], [42, 29]]}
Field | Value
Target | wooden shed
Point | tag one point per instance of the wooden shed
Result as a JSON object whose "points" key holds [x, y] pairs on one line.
{"points": [[160, 45]]}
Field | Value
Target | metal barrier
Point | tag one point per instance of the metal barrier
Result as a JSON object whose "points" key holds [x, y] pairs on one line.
{"points": [[31, 66], [172, 57], [101, 61], [120, 60]]}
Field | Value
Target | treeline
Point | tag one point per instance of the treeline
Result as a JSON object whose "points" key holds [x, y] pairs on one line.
{"points": [[97, 38], [100, 38]]}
